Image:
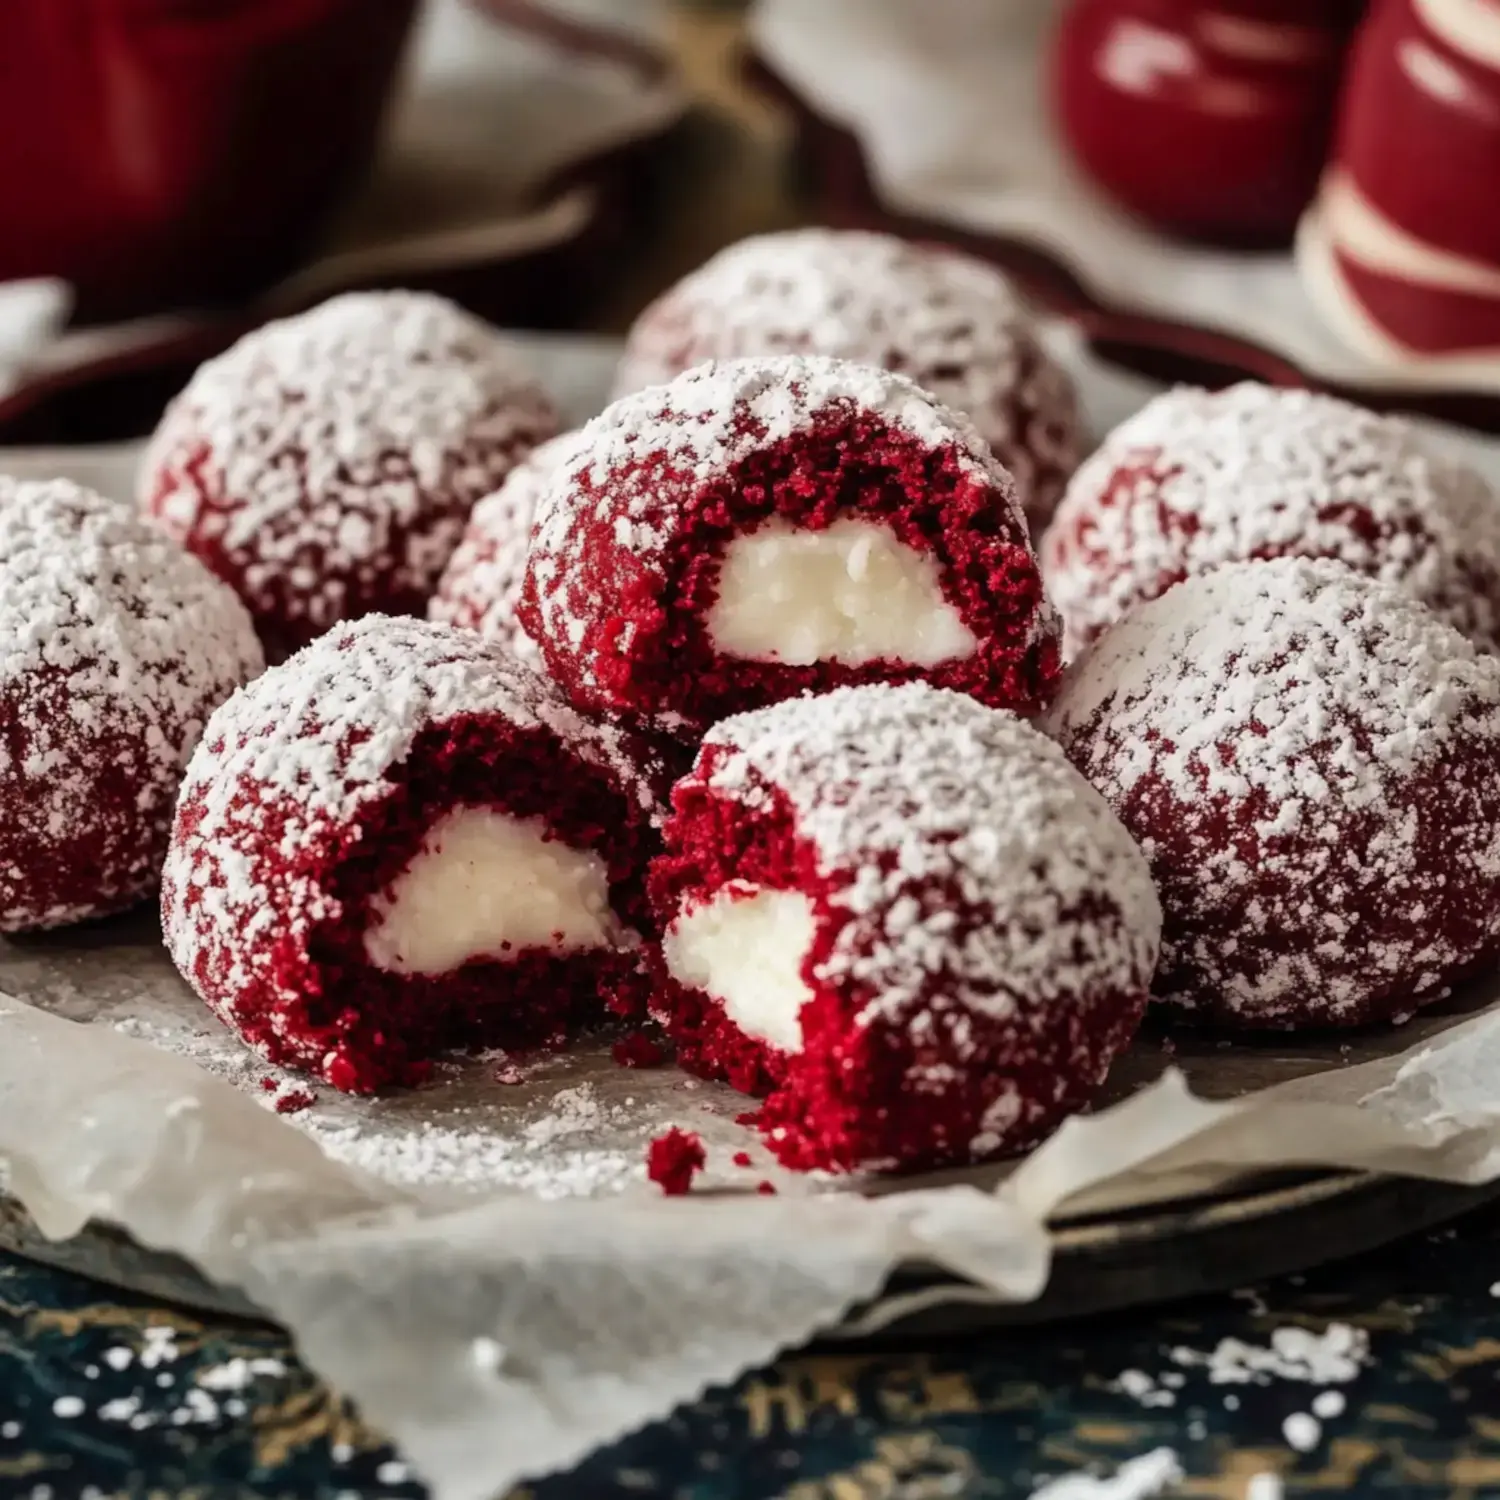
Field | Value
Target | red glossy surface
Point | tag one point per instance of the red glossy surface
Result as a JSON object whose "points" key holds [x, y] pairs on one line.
{"points": [[167, 152], [1426, 319], [1210, 118], [1419, 128]]}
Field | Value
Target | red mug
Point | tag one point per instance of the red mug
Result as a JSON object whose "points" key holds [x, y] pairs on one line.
{"points": [[161, 153], [1208, 118], [1403, 247]]}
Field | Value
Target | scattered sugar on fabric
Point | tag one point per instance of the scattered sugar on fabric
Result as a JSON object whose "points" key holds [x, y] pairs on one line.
{"points": [[1138, 1479], [1333, 1357]]}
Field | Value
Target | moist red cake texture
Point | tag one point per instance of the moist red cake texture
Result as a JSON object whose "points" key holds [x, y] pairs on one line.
{"points": [[673, 1159], [951, 323], [117, 647], [481, 586], [326, 465], [1311, 761], [310, 797], [981, 938], [629, 537], [1197, 479]]}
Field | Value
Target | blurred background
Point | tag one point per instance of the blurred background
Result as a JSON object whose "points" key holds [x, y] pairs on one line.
{"points": [[1285, 188]]}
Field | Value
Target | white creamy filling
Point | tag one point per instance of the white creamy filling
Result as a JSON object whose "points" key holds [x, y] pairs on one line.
{"points": [[851, 593], [746, 947], [484, 884]]}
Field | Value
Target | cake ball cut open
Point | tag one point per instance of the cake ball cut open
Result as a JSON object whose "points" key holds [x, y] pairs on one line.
{"points": [[481, 587], [402, 841], [1198, 478], [1310, 759], [948, 321], [325, 466], [906, 920], [764, 528], [116, 648]]}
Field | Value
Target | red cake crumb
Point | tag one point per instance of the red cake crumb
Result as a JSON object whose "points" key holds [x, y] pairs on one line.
{"points": [[742, 1158], [1198, 479], [326, 465], [955, 934], [766, 1189], [628, 552], [673, 1159], [638, 1051], [951, 323], [115, 646], [307, 814], [1311, 762], [481, 586], [295, 1101]]}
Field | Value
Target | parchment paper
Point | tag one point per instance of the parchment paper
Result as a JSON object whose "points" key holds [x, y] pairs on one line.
{"points": [[947, 99], [480, 1265]]}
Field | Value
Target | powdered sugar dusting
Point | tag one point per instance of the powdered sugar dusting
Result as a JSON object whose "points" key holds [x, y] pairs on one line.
{"points": [[639, 465], [1197, 479], [302, 751], [925, 805], [1136, 1479], [327, 463], [949, 322], [114, 648], [481, 586], [1302, 703]]}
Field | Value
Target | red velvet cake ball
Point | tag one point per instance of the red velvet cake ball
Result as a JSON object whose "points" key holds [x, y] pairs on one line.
{"points": [[481, 586], [1311, 761], [949, 322], [325, 466], [117, 647], [766, 527], [907, 918], [401, 841], [1197, 479]]}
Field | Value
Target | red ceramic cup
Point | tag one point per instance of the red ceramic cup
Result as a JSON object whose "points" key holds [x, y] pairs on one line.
{"points": [[162, 153], [1403, 246], [1208, 118]]}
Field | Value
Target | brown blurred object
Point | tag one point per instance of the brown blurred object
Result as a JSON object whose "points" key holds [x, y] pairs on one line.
{"points": [[166, 152]]}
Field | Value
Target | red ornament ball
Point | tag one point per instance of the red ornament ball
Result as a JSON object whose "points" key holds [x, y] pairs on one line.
{"points": [[326, 465], [951, 323], [118, 646], [401, 841], [765, 528], [1311, 761], [907, 920], [1197, 479]]}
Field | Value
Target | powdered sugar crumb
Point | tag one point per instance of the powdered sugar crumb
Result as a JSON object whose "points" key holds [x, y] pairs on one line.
{"points": [[1137, 1479], [1334, 1357]]}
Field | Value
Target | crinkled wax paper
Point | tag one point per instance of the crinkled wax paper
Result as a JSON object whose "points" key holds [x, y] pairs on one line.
{"points": [[481, 1265]]}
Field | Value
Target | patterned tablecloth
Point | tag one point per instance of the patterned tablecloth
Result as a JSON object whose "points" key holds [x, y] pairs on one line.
{"points": [[105, 1395]]}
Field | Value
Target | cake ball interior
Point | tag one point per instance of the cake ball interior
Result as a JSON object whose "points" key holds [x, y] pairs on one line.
{"points": [[487, 898], [852, 593], [747, 947], [482, 884]]}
